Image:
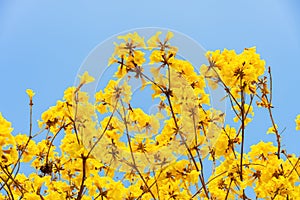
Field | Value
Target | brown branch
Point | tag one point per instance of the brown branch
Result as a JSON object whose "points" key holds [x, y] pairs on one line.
{"points": [[82, 186], [131, 152]]}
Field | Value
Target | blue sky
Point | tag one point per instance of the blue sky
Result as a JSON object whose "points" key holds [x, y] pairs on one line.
{"points": [[43, 44]]}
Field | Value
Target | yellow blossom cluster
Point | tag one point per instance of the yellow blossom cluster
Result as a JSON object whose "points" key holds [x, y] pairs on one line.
{"points": [[111, 150], [236, 72]]}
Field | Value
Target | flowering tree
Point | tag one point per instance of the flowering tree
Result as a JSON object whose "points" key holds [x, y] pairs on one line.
{"points": [[113, 150]]}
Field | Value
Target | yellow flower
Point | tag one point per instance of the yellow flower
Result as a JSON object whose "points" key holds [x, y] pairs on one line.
{"points": [[139, 58], [112, 60], [133, 38], [28, 195], [169, 36], [193, 176], [261, 150], [31, 150], [86, 78], [154, 41], [156, 56], [297, 120], [5, 132], [30, 93], [121, 72], [272, 129]]}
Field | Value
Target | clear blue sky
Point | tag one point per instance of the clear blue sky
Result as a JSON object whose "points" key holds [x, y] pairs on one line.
{"points": [[43, 44]]}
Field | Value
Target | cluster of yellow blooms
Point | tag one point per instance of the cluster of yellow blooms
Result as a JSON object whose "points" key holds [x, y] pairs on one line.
{"points": [[112, 150]]}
